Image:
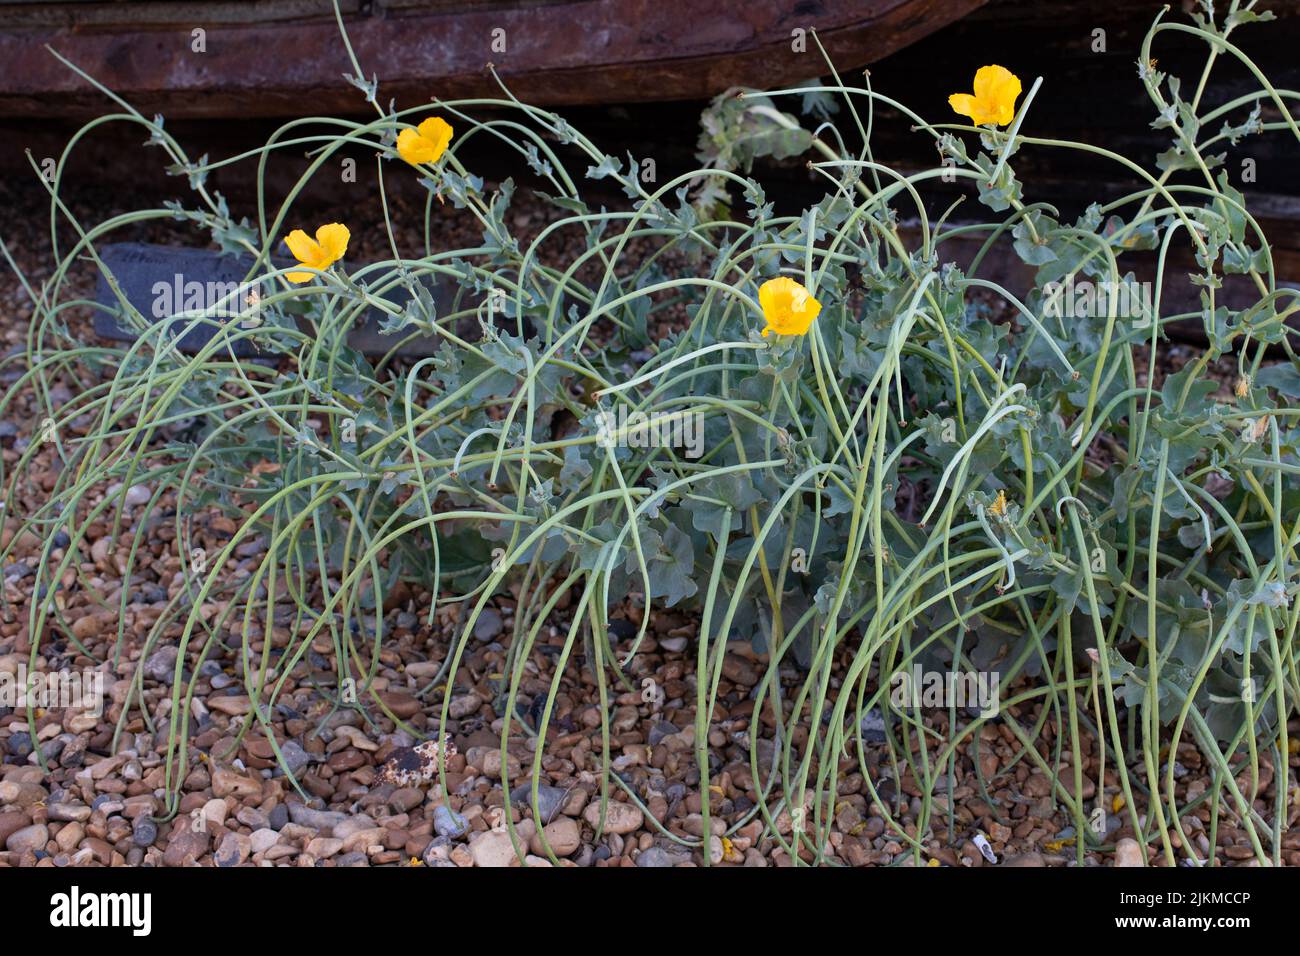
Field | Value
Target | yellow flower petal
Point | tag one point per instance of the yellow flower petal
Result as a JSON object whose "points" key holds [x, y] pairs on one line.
{"points": [[413, 147], [787, 306], [333, 238], [962, 104], [438, 132], [994, 100], [426, 143], [303, 246], [328, 247]]}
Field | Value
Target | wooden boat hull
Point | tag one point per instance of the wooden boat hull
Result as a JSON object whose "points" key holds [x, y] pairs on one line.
{"points": [[286, 57]]}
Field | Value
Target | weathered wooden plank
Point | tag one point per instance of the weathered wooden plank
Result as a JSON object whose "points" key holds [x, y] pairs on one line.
{"points": [[569, 52]]}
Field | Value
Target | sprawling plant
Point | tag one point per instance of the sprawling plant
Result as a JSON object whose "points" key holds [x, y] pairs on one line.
{"points": [[898, 462]]}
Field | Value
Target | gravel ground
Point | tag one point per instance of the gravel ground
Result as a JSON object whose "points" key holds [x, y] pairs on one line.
{"points": [[370, 802]]}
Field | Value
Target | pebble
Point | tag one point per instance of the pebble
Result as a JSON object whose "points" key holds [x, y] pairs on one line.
{"points": [[489, 625], [32, 838], [262, 840], [1128, 852], [406, 799], [550, 800], [362, 840], [438, 852], [352, 825], [1025, 859], [226, 783], [252, 818], [620, 818], [137, 495], [68, 812], [655, 857], [461, 707], [448, 822], [295, 758], [144, 832], [215, 811], [316, 819], [563, 835], [160, 666], [324, 847], [234, 850], [11, 821], [22, 795], [233, 705], [493, 848], [659, 730], [185, 842]]}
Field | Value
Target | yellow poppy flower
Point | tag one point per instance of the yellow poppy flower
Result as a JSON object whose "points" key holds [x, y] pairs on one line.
{"points": [[994, 100], [787, 306], [328, 247], [426, 143]]}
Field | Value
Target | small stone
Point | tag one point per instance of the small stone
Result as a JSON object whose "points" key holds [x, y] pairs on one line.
{"points": [[144, 832], [655, 857], [260, 841], [739, 671], [438, 852], [160, 666], [715, 849], [226, 783], [448, 822], [403, 706], [1024, 859], [295, 758], [278, 816], [185, 842], [32, 838], [215, 811], [324, 847], [252, 818], [316, 819], [488, 625], [136, 495], [235, 705], [362, 840], [68, 812], [1128, 852], [12, 821], [461, 707], [563, 835], [233, 850], [353, 824], [406, 799], [550, 800], [493, 848], [620, 818], [661, 729]]}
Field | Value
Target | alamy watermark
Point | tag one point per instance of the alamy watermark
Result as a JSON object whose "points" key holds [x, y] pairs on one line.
{"points": [[53, 690], [629, 428], [1087, 300], [910, 690], [213, 299]]}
